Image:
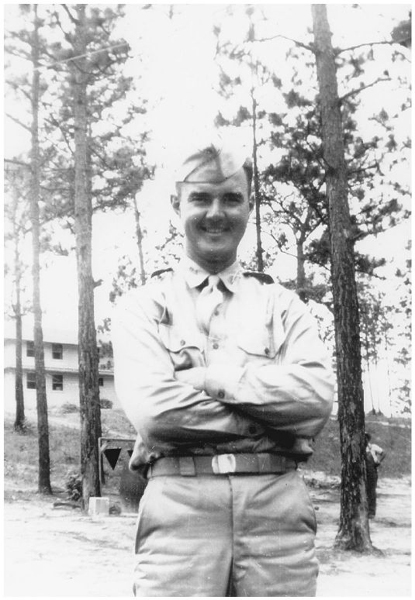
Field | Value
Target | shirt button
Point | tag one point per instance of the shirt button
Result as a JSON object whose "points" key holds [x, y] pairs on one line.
{"points": [[215, 346], [182, 342], [221, 394], [267, 351]]}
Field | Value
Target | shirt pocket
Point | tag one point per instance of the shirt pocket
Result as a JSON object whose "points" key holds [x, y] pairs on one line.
{"points": [[258, 342], [184, 348], [262, 338]]}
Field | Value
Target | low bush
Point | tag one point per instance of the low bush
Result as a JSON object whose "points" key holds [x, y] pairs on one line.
{"points": [[73, 485], [68, 407]]}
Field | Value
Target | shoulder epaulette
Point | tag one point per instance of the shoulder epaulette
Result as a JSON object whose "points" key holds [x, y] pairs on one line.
{"points": [[161, 271], [262, 277]]}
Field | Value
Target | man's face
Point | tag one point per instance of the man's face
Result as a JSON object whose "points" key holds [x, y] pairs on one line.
{"points": [[214, 217]]}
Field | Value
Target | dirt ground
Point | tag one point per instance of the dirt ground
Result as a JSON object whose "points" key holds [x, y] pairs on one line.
{"points": [[55, 551]]}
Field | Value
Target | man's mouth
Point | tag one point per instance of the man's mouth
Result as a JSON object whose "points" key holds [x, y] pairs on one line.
{"points": [[215, 230]]}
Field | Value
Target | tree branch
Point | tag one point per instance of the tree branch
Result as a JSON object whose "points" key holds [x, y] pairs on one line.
{"points": [[27, 127], [70, 15], [18, 54], [14, 161], [365, 87], [284, 37], [380, 43]]}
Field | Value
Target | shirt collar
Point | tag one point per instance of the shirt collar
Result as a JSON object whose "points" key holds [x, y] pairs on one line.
{"points": [[195, 275]]}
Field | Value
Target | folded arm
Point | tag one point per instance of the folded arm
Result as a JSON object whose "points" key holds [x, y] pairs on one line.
{"points": [[294, 393], [162, 408]]}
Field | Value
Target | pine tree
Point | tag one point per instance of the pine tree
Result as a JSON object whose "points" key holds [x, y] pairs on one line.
{"points": [[292, 170], [16, 214], [44, 484], [354, 526], [87, 345], [117, 159], [94, 87]]}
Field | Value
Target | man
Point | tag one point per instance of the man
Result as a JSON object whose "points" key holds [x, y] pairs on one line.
{"points": [[374, 457], [226, 382]]}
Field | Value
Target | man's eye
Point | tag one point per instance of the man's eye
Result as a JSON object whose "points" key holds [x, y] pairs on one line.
{"points": [[233, 198], [200, 198]]}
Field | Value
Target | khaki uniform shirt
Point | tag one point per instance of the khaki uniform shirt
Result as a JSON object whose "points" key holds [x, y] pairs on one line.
{"points": [[269, 383]]}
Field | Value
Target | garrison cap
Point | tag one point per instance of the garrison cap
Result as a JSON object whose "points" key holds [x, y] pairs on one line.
{"points": [[212, 163]]}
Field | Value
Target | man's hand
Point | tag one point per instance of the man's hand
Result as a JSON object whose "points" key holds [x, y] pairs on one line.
{"points": [[195, 377]]}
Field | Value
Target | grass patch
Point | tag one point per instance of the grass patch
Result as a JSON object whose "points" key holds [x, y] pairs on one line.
{"points": [[393, 435], [21, 450]]}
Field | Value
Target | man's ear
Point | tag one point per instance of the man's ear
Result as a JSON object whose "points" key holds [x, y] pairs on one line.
{"points": [[175, 202]]}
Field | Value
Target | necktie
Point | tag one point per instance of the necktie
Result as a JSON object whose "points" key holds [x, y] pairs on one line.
{"points": [[209, 298]]}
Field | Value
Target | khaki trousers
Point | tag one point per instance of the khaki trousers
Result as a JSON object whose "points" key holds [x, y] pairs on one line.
{"points": [[215, 536]]}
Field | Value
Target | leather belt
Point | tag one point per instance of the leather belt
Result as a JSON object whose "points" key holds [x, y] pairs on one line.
{"points": [[221, 464]]}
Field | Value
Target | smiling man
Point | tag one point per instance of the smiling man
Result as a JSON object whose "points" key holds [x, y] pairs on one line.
{"points": [[214, 209], [223, 375]]}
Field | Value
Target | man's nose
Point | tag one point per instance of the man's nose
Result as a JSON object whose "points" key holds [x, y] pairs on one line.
{"points": [[215, 208]]}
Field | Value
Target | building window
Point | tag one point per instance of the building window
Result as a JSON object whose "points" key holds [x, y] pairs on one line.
{"points": [[30, 348], [31, 380], [57, 351], [101, 381], [57, 383]]}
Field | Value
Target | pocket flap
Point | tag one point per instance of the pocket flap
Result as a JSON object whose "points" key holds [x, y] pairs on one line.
{"points": [[175, 340], [257, 343]]}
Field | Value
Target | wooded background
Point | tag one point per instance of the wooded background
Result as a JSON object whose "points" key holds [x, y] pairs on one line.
{"points": [[100, 99]]}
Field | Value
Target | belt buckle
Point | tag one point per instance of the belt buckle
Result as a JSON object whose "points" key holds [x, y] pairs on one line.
{"points": [[223, 464]]}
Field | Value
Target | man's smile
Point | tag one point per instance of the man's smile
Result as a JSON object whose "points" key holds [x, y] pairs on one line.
{"points": [[214, 230], [214, 217]]}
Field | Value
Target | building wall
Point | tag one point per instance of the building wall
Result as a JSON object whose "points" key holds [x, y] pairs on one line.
{"points": [[69, 358], [9, 355], [66, 367], [69, 393], [107, 390]]}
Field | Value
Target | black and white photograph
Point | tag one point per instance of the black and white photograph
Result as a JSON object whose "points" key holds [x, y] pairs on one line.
{"points": [[207, 300]]}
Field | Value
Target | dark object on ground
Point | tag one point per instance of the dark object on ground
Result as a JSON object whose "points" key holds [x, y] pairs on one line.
{"points": [[105, 403], [66, 504]]}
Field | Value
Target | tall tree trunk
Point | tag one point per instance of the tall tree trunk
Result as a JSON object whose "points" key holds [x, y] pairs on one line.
{"points": [[301, 280], [44, 485], [353, 531], [259, 250], [301, 237], [139, 234], [88, 351], [19, 423]]}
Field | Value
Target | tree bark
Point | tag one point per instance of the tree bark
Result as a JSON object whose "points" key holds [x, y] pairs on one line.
{"points": [[87, 344], [301, 279], [44, 485], [19, 423], [259, 249], [353, 533], [139, 234]]}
